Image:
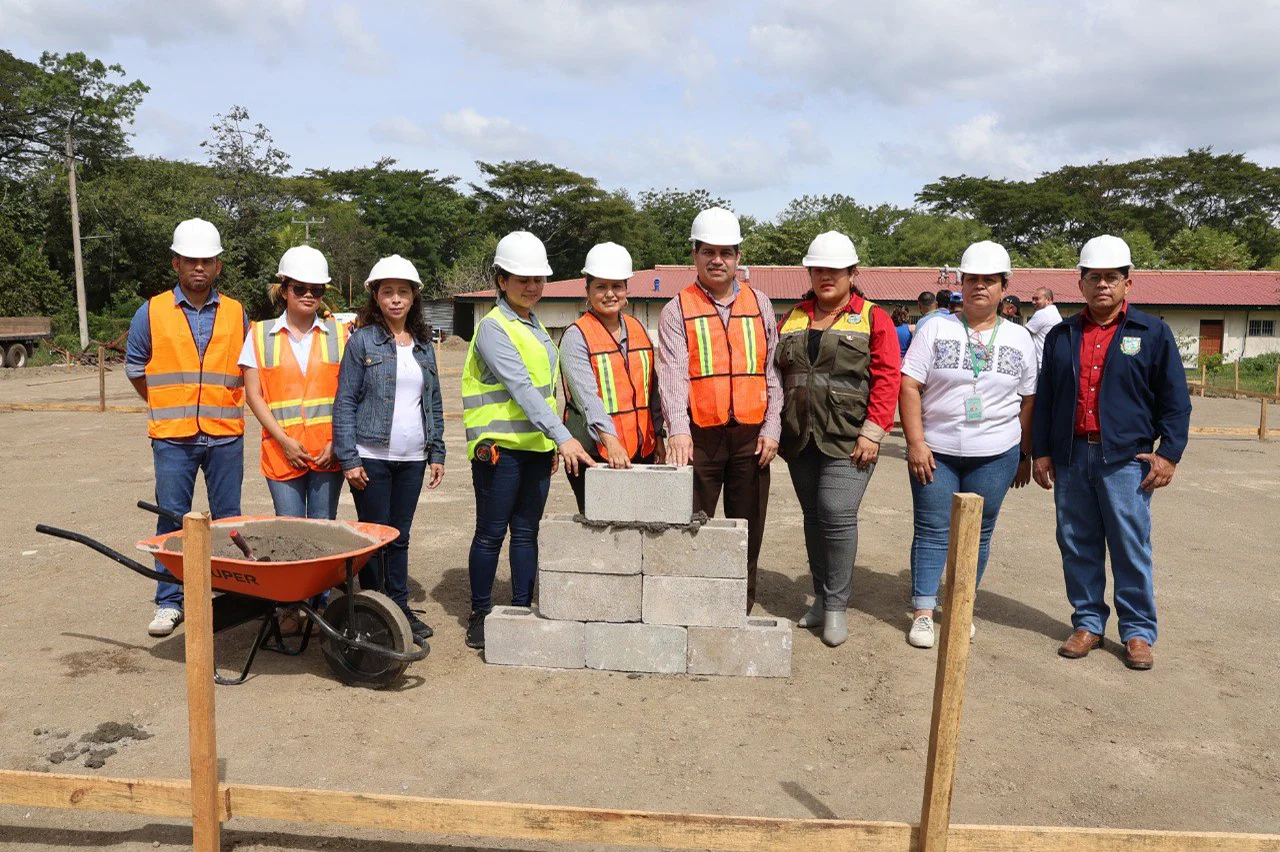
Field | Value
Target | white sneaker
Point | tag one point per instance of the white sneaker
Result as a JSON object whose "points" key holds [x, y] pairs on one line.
{"points": [[166, 619], [921, 633]]}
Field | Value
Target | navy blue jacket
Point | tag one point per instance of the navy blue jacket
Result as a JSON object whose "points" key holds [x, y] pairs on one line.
{"points": [[366, 397], [1143, 397]]}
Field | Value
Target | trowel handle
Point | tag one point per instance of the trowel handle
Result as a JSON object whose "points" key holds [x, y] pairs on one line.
{"points": [[238, 540]]}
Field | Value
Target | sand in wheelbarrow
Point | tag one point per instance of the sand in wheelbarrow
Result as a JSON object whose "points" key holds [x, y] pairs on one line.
{"points": [[283, 540]]}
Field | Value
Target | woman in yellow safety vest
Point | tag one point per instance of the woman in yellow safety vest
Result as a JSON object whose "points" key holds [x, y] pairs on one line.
{"points": [[611, 393], [513, 433]]}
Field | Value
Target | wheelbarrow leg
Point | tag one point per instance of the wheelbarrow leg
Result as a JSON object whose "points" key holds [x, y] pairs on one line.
{"points": [[267, 622]]}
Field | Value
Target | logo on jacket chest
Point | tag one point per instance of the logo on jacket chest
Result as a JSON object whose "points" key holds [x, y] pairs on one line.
{"points": [[1131, 345]]}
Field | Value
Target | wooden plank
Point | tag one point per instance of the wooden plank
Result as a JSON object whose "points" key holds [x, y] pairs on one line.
{"points": [[165, 798], [564, 824], [1204, 377], [1233, 431], [202, 729], [147, 797], [1262, 421], [102, 379], [953, 659], [64, 406]]}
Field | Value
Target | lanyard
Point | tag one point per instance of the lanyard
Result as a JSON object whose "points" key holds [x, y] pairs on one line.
{"points": [[990, 348]]}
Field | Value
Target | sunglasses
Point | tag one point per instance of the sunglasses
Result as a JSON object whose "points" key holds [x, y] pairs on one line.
{"points": [[300, 290]]}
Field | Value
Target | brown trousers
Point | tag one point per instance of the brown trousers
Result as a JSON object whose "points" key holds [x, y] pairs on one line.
{"points": [[724, 458]]}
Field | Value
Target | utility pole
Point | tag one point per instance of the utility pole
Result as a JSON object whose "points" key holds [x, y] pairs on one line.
{"points": [[307, 223], [75, 245]]}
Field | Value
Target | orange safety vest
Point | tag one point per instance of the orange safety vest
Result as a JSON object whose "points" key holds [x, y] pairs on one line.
{"points": [[301, 404], [187, 394], [625, 382], [726, 366]]}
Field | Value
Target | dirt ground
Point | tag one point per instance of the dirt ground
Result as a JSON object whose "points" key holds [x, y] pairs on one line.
{"points": [[1189, 745]]}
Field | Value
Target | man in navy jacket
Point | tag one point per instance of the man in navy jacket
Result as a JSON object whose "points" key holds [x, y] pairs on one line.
{"points": [[1111, 419]]}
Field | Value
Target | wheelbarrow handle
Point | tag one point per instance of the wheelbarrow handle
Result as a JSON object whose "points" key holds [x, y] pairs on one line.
{"points": [[164, 513], [93, 544]]}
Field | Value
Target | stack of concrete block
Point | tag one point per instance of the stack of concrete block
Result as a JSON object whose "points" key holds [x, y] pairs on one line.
{"points": [[638, 589]]}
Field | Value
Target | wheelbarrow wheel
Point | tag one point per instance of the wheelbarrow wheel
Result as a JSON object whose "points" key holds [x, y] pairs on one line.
{"points": [[378, 621]]}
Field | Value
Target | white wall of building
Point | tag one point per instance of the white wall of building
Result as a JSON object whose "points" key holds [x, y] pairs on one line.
{"points": [[1236, 343]]}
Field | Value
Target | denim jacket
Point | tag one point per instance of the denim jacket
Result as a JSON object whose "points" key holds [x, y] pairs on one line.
{"points": [[366, 397]]}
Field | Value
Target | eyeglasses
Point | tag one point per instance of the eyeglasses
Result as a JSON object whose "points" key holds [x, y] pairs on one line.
{"points": [[1112, 278], [300, 290]]}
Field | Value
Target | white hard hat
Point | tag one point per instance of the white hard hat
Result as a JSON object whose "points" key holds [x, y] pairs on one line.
{"points": [[716, 226], [1105, 252], [392, 267], [196, 238], [521, 253], [305, 264], [985, 258], [832, 250], [609, 261]]}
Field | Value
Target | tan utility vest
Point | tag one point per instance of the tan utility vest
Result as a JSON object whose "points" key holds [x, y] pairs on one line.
{"points": [[824, 401]]}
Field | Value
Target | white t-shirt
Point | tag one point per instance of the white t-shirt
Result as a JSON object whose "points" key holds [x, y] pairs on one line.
{"points": [[408, 440], [301, 348], [1039, 324], [940, 359]]}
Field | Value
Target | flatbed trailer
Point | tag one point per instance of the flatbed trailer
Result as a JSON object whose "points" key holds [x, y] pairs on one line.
{"points": [[19, 336]]}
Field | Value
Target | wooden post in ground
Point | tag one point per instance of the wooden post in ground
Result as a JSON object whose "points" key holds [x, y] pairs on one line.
{"points": [[202, 732], [1204, 377], [1237, 366], [102, 378], [1276, 392], [953, 659], [1262, 421]]}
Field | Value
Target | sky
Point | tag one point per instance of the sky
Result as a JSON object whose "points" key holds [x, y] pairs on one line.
{"points": [[757, 102]]}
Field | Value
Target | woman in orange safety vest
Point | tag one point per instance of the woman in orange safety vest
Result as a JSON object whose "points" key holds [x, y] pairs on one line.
{"points": [[607, 363], [290, 377]]}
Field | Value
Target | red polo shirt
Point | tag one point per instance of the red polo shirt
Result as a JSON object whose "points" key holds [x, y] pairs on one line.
{"points": [[1095, 340]]}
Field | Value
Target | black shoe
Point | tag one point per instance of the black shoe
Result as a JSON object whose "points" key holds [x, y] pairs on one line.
{"points": [[475, 630], [421, 630]]}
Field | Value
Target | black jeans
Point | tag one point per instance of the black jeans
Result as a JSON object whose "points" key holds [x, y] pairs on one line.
{"points": [[390, 498]]}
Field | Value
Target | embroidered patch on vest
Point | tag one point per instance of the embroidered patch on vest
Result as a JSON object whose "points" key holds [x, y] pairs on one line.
{"points": [[1131, 345]]}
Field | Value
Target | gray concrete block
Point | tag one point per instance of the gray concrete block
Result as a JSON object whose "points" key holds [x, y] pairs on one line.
{"points": [[566, 545], [519, 636], [654, 648], [645, 493], [589, 597], [707, 602], [761, 649], [717, 549]]}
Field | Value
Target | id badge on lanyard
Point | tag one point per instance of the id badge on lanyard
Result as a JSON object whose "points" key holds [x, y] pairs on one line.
{"points": [[973, 403]]}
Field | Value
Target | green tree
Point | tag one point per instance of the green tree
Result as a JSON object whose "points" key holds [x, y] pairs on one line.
{"points": [[666, 216], [931, 239], [1205, 248]]}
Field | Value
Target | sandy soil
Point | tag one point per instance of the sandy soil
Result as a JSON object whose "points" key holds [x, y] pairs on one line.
{"points": [[1188, 745]]}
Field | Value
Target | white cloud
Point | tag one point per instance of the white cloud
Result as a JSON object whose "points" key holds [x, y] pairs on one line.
{"points": [[489, 137], [805, 146], [401, 130], [585, 39], [159, 23], [167, 134], [364, 53]]}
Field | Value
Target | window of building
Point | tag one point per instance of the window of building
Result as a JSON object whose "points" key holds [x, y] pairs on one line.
{"points": [[1262, 328]]}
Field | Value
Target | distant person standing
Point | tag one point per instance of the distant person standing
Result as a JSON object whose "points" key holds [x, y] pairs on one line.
{"points": [[1010, 309], [181, 358], [1045, 317], [955, 303], [932, 305], [1112, 385], [900, 318]]}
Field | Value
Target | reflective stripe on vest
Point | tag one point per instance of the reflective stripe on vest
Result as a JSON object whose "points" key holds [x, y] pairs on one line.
{"points": [[488, 410], [188, 394], [624, 382], [726, 365], [302, 404]]}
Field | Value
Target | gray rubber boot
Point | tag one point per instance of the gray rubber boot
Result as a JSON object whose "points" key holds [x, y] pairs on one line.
{"points": [[834, 629], [812, 618]]}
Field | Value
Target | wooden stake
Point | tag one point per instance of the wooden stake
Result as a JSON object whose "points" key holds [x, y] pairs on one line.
{"points": [[953, 659], [102, 379], [1204, 375], [197, 576], [1262, 421], [1236, 363], [1276, 392]]}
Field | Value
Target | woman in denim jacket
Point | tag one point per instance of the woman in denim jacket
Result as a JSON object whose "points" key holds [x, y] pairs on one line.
{"points": [[388, 424]]}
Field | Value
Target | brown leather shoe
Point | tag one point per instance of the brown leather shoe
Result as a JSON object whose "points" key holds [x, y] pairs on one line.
{"points": [[1137, 654], [1079, 644]]}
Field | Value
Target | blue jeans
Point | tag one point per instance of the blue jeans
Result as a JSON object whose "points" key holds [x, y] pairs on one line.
{"points": [[312, 495], [987, 476], [1102, 507], [176, 466], [509, 495], [390, 498]]}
